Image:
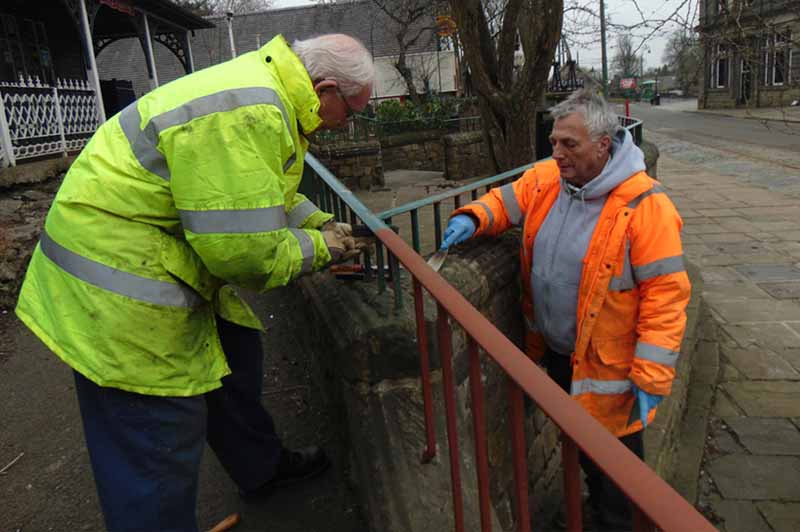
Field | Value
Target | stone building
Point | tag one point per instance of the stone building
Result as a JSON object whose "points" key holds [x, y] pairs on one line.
{"points": [[751, 55]]}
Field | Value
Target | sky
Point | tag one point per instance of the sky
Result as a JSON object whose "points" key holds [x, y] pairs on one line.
{"points": [[623, 12]]}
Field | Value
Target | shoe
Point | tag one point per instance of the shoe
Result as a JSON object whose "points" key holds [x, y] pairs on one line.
{"points": [[294, 467]]}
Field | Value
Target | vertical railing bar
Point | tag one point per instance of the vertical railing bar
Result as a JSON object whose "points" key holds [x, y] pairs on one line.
{"points": [[474, 194], [379, 262], [425, 370], [415, 230], [457, 201], [572, 484], [368, 266], [437, 223], [335, 199], [394, 270], [60, 122], [479, 432], [518, 456], [353, 218], [446, 354]]}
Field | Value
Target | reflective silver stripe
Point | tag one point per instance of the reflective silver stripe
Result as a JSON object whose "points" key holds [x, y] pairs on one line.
{"points": [[655, 353], [511, 204], [235, 220], [144, 142], [600, 387], [289, 163], [489, 213], [659, 267], [306, 249], [624, 281], [301, 212], [657, 189], [118, 281]]}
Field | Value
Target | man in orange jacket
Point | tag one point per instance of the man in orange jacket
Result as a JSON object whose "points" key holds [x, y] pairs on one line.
{"points": [[605, 287]]}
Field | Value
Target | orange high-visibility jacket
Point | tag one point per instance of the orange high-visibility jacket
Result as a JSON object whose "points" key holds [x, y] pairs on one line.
{"points": [[633, 290]]}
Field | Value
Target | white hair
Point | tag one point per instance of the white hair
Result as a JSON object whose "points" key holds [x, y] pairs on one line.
{"points": [[598, 116], [339, 57]]}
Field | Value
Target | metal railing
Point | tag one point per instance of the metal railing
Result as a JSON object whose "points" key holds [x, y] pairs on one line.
{"points": [[655, 502], [38, 119], [328, 195]]}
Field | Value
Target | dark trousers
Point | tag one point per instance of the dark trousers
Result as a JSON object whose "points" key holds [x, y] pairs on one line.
{"points": [[145, 450], [607, 500]]}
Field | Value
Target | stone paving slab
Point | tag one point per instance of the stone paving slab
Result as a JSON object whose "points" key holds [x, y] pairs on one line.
{"points": [[782, 290], [766, 436], [766, 399], [743, 476], [731, 289], [769, 272], [776, 336], [792, 356], [782, 517], [741, 516], [766, 310], [724, 407], [760, 364]]}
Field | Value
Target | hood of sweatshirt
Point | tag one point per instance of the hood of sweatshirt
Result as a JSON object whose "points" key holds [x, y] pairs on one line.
{"points": [[562, 241]]}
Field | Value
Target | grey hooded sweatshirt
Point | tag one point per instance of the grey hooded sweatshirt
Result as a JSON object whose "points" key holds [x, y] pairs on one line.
{"points": [[563, 239]]}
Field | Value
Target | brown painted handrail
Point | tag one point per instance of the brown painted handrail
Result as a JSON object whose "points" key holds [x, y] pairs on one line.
{"points": [[652, 495]]}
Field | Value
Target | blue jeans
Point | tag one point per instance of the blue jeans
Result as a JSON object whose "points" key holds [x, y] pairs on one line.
{"points": [[146, 450]]}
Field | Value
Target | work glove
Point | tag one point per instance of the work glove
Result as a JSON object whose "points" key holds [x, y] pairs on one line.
{"points": [[647, 401], [340, 246], [459, 228], [341, 229]]}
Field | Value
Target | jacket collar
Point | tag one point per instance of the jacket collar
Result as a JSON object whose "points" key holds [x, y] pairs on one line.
{"points": [[279, 56]]}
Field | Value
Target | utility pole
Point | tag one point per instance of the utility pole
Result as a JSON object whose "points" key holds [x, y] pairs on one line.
{"points": [[603, 46], [229, 16]]}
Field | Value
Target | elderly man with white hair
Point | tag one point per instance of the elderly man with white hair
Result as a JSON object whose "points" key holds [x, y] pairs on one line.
{"points": [[604, 284], [188, 191]]}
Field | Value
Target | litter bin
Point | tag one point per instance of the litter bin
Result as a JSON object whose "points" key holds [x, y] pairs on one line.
{"points": [[655, 100], [117, 94]]}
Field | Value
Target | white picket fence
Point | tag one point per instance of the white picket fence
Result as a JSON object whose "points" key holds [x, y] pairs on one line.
{"points": [[37, 119]]}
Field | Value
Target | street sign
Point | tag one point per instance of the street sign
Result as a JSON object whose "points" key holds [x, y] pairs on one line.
{"points": [[627, 83]]}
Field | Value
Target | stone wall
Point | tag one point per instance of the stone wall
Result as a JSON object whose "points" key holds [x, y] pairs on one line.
{"points": [[358, 165], [371, 359], [371, 356], [417, 150], [466, 155]]}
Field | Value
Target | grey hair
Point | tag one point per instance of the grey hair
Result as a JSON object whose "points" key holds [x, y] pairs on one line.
{"points": [[337, 56], [598, 116]]}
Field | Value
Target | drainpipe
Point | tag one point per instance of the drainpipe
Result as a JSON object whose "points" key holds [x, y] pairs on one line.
{"points": [[95, 79]]}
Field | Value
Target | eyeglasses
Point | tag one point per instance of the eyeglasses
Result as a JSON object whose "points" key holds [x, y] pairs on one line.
{"points": [[349, 112]]}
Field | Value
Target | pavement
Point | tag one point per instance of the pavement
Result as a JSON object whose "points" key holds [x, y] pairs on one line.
{"points": [[744, 234]]}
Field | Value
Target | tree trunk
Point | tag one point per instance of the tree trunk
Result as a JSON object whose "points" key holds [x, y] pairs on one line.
{"points": [[408, 78]]}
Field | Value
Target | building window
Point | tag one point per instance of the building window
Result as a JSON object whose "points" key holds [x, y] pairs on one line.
{"points": [[719, 68], [777, 58], [24, 50]]}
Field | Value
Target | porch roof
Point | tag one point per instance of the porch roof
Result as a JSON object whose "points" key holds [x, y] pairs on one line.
{"points": [[114, 22]]}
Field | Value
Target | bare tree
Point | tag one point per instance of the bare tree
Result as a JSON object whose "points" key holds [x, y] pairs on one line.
{"points": [[625, 61], [490, 33], [220, 7], [684, 58], [415, 23]]}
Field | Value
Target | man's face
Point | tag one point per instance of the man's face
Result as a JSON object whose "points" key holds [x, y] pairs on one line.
{"points": [[335, 108], [580, 159]]}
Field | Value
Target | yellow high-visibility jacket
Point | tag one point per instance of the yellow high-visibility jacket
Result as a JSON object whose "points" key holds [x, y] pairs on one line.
{"points": [[185, 192]]}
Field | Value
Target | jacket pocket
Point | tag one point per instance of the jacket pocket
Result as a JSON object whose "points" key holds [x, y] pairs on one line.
{"points": [[615, 352], [180, 260]]}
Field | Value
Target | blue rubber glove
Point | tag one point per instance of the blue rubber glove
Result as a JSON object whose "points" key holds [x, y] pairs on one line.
{"points": [[647, 401], [459, 228]]}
